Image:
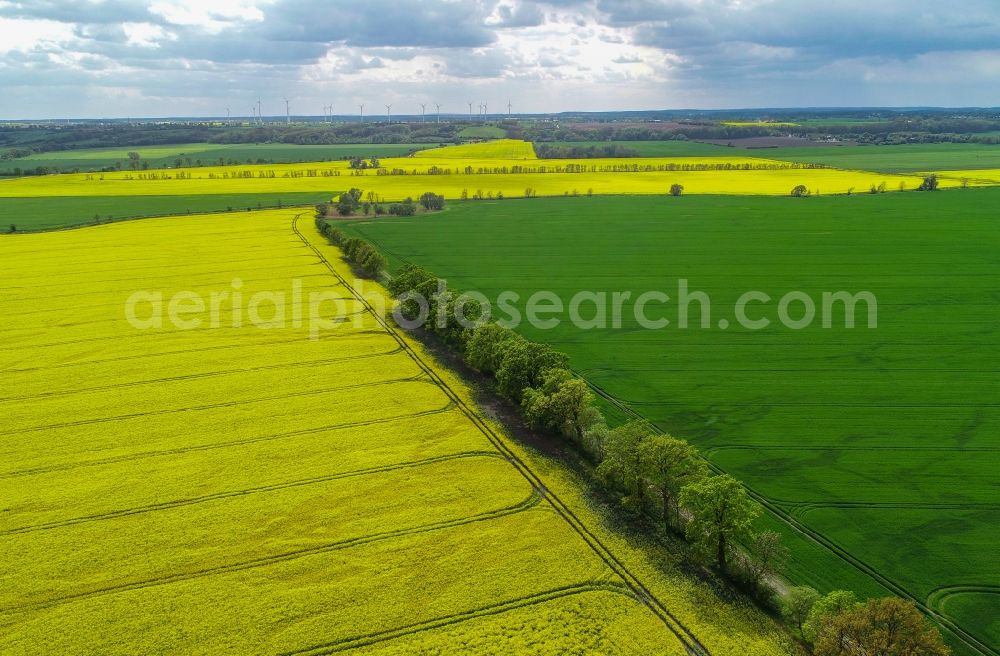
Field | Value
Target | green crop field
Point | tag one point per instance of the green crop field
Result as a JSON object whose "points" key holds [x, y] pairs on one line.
{"points": [[207, 154], [34, 213], [482, 132], [904, 158], [669, 148], [878, 447]]}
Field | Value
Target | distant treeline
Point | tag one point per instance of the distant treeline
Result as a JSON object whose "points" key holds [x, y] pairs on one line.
{"points": [[548, 151], [898, 130]]}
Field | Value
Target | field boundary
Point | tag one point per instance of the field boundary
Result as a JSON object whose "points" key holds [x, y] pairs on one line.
{"points": [[641, 592], [818, 538]]}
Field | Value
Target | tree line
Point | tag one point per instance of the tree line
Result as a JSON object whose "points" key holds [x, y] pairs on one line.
{"points": [[351, 202], [651, 473]]}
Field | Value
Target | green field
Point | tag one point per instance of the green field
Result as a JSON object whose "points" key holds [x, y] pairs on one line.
{"points": [[482, 132], [659, 148], [207, 154], [35, 213], [880, 446], [903, 158]]}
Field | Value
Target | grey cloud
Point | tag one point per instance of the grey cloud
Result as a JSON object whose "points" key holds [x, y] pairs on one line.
{"points": [[81, 11], [525, 14], [374, 23]]}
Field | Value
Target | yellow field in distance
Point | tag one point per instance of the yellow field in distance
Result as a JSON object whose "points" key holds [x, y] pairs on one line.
{"points": [[441, 171], [496, 149]]}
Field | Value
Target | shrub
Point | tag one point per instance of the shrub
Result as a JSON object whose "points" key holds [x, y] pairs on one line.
{"points": [[432, 201], [678, 189], [930, 183], [800, 191]]}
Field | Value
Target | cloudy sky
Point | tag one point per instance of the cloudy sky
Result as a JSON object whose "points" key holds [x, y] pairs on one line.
{"points": [[118, 58]]}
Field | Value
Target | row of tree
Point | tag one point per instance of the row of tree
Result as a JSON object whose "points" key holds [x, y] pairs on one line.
{"points": [[358, 251], [649, 471], [350, 202]]}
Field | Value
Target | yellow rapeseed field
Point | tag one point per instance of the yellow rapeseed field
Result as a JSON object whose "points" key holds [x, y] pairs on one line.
{"points": [[454, 171], [496, 149], [232, 478]]}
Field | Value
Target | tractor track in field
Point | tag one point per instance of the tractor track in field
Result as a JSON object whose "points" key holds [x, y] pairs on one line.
{"points": [[800, 509], [226, 445], [818, 538], [785, 447], [638, 589], [421, 377], [180, 276], [141, 356], [262, 489], [937, 596], [108, 338], [526, 601], [210, 286], [117, 319], [531, 501], [200, 376]]}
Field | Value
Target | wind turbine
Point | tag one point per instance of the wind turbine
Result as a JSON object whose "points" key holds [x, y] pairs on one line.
{"points": [[288, 115], [362, 108], [508, 108], [388, 112], [260, 119], [485, 111], [438, 105], [423, 112], [227, 116], [470, 111]]}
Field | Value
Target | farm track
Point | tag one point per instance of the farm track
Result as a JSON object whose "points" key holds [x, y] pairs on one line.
{"points": [[73, 342], [800, 509], [131, 279], [214, 406], [784, 447], [226, 445], [140, 356], [457, 618], [203, 375], [531, 501], [643, 594], [818, 538], [191, 501], [117, 320], [940, 594], [221, 284]]}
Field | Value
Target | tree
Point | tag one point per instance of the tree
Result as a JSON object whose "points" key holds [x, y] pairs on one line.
{"points": [[621, 461], [795, 605], [887, 627], [799, 191], [562, 403], [721, 513], [485, 347], [521, 366], [670, 464], [676, 189], [432, 201], [347, 204], [13, 228], [133, 160], [825, 610], [766, 558], [930, 183]]}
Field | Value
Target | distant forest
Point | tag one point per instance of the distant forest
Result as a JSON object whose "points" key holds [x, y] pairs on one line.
{"points": [[876, 127]]}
